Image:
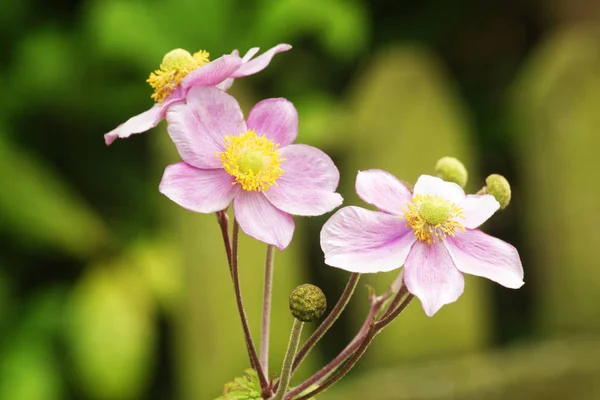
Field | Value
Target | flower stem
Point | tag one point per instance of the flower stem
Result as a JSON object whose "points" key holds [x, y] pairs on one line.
{"points": [[254, 362], [266, 312], [388, 318], [395, 301], [373, 329], [346, 367], [286, 370], [223, 221], [352, 347], [329, 321]]}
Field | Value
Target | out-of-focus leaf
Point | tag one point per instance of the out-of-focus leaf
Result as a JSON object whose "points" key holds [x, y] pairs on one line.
{"points": [[5, 308], [45, 64], [28, 367], [111, 333], [321, 119], [158, 266], [44, 312], [39, 210], [556, 104], [551, 370], [12, 13], [340, 25], [126, 29], [28, 370]]}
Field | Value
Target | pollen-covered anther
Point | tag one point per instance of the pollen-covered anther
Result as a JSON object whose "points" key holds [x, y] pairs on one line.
{"points": [[433, 218], [175, 66], [254, 161]]}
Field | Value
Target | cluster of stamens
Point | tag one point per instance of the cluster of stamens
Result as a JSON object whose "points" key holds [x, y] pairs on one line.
{"points": [[433, 218], [252, 160], [176, 65]]}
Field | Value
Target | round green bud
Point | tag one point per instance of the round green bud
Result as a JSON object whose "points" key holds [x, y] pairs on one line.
{"points": [[498, 186], [307, 303], [452, 170]]}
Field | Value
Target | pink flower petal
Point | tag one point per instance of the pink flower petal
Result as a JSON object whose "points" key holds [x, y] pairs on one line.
{"points": [[308, 182], [199, 126], [212, 73], [199, 190], [260, 62], [226, 84], [479, 254], [383, 190], [275, 118], [430, 274], [263, 221], [138, 124], [360, 240], [477, 209], [433, 186], [249, 54]]}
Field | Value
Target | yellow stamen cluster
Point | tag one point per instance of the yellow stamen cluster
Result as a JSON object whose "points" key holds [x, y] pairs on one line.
{"points": [[175, 66], [433, 218], [252, 160]]}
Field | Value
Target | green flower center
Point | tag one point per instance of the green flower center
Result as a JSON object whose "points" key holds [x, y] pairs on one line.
{"points": [[435, 210], [251, 161], [432, 218]]}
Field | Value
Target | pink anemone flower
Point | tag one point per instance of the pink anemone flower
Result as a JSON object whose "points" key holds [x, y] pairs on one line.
{"points": [[251, 163], [431, 231], [180, 71]]}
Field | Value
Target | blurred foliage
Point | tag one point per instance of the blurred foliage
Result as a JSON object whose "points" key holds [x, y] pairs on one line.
{"points": [[110, 291], [549, 370]]}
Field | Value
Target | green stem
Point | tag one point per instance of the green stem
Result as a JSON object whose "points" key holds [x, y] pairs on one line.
{"points": [[266, 311], [286, 370], [329, 321]]}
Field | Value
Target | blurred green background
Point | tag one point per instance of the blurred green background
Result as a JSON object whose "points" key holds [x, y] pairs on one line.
{"points": [[110, 291]]}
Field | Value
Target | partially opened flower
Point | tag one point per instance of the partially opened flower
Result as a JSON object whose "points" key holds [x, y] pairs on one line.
{"points": [[180, 71], [431, 231], [253, 163]]}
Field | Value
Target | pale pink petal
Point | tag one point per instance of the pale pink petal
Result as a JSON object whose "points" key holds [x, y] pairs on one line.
{"points": [[263, 221], [310, 165], [430, 274], [308, 182], [249, 54], [433, 186], [199, 126], [383, 190], [479, 254], [275, 118], [477, 209], [260, 62], [360, 240], [212, 73], [226, 84], [138, 124], [199, 190]]}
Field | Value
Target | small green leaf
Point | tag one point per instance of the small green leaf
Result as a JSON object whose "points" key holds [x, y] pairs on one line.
{"points": [[246, 387]]}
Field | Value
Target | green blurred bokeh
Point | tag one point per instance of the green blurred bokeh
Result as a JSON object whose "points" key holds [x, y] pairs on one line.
{"points": [[110, 291]]}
